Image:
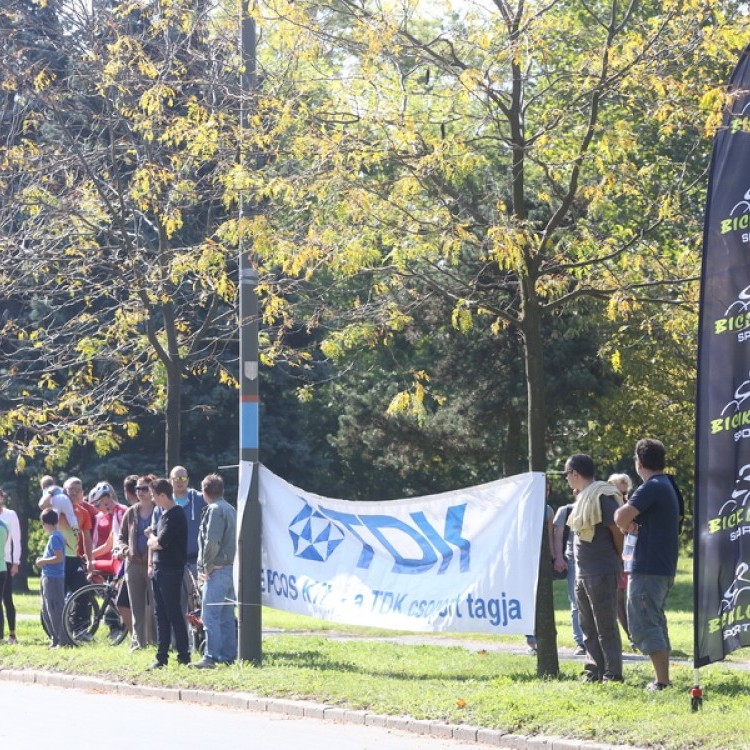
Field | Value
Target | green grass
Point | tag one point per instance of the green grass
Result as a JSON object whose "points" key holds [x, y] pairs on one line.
{"points": [[480, 687]]}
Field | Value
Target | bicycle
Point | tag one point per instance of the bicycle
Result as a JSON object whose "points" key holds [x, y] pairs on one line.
{"points": [[92, 606], [191, 591]]}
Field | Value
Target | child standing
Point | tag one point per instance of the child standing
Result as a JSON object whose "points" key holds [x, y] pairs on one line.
{"points": [[52, 566]]}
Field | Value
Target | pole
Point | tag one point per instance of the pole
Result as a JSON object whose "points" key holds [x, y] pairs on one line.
{"points": [[249, 539]]}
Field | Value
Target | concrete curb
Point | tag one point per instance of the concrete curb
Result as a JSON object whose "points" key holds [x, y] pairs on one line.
{"points": [[307, 709]]}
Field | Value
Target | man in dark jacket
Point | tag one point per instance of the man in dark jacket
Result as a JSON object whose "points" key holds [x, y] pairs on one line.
{"points": [[168, 553]]}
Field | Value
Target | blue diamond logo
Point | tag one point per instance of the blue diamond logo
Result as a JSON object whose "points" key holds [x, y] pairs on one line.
{"points": [[314, 536]]}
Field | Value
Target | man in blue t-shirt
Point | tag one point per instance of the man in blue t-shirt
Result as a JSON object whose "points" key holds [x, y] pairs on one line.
{"points": [[653, 514]]}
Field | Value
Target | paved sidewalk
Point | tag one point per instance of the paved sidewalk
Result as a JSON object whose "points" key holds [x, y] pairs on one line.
{"points": [[478, 737]]}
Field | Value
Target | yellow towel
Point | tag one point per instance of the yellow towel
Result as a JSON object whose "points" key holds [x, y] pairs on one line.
{"points": [[587, 510]]}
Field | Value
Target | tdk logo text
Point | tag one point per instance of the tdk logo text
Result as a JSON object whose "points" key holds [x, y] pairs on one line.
{"points": [[416, 546]]}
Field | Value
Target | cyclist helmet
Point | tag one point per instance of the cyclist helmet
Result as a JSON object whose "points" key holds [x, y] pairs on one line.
{"points": [[101, 489]]}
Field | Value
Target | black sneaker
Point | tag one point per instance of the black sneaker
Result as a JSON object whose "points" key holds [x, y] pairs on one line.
{"points": [[654, 686], [157, 665], [203, 664], [609, 677]]}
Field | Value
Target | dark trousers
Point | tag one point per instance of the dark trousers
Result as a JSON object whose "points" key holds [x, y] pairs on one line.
{"points": [[169, 616], [75, 574], [597, 612], [10, 608], [75, 578]]}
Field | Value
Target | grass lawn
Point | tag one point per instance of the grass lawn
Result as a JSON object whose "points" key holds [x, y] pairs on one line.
{"points": [[472, 685]]}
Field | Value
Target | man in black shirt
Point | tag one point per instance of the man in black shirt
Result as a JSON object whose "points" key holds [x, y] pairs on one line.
{"points": [[167, 545]]}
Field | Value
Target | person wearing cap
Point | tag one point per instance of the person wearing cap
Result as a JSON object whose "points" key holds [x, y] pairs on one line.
{"points": [[11, 554], [597, 550], [107, 527], [106, 532], [168, 545]]}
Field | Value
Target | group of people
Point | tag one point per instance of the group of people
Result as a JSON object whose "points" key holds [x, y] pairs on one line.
{"points": [[167, 531], [598, 521], [167, 528]]}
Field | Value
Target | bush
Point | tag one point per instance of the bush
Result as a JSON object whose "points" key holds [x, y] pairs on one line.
{"points": [[37, 541]]}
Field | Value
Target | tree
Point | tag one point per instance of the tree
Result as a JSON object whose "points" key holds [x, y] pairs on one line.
{"points": [[119, 186], [492, 155]]}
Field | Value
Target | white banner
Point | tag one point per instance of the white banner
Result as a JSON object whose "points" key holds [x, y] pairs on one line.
{"points": [[461, 561]]}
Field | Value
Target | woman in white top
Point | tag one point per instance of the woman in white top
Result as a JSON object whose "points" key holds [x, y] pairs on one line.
{"points": [[12, 558]]}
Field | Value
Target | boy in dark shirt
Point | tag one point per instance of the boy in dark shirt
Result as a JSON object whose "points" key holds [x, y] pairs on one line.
{"points": [[167, 545]]}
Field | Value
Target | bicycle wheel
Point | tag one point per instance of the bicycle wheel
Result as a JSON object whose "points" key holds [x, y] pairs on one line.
{"points": [[90, 616], [44, 625], [192, 594]]}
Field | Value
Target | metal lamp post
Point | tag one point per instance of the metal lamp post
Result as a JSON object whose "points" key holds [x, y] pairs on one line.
{"points": [[249, 538]]}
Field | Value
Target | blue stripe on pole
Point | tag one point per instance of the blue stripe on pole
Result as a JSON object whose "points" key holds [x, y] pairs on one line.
{"points": [[249, 425]]}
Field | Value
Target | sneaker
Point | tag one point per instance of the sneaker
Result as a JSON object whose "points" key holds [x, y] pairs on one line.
{"points": [[580, 651], [589, 677], [84, 635], [12, 640], [609, 677], [654, 686], [203, 664], [156, 665]]}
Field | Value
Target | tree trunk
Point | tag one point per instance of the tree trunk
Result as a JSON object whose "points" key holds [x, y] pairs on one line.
{"points": [[546, 633], [173, 418], [26, 508], [512, 453]]}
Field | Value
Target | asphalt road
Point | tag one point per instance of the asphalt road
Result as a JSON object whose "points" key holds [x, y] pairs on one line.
{"points": [[38, 716]]}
